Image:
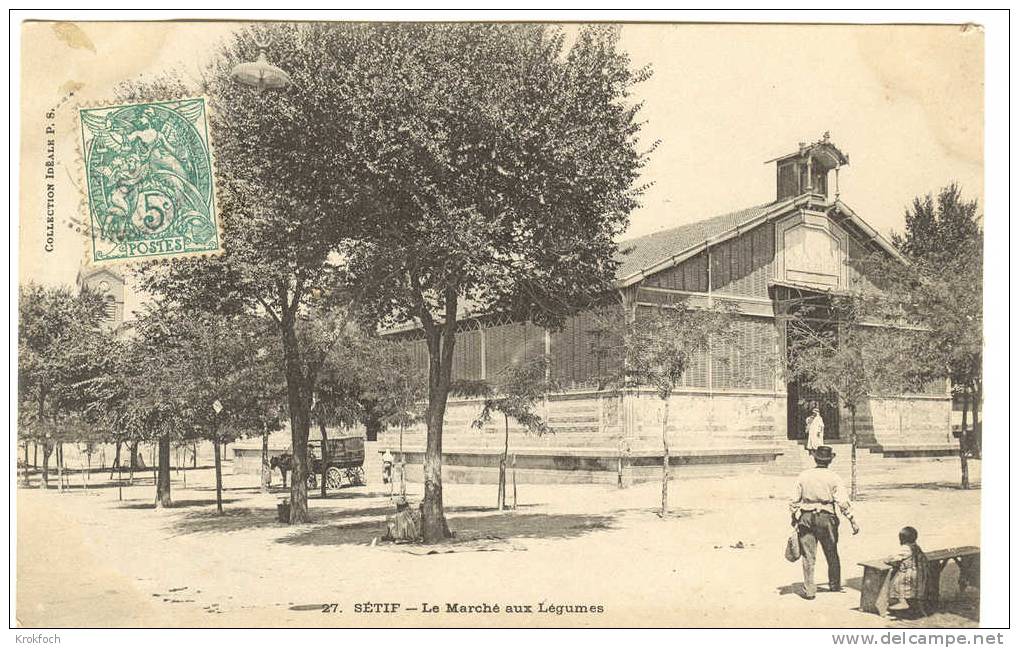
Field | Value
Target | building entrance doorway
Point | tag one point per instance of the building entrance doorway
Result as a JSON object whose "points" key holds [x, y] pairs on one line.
{"points": [[801, 398], [799, 402]]}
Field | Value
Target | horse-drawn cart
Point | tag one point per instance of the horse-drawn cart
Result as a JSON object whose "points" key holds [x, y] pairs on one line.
{"points": [[344, 462]]}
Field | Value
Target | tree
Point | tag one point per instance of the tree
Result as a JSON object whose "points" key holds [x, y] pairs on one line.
{"points": [[116, 402], [286, 196], [393, 391], [515, 393], [942, 292], [505, 164], [835, 346], [657, 347], [214, 378], [61, 350]]}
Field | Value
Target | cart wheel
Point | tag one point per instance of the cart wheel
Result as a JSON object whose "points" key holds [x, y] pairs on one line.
{"points": [[334, 478], [356, 476], [312, 482]]}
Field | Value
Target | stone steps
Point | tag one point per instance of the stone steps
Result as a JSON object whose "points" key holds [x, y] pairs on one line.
{"points": [[795, 458]]}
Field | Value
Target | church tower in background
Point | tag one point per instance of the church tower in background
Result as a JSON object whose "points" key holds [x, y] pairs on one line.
{"points": [[111, 285]]}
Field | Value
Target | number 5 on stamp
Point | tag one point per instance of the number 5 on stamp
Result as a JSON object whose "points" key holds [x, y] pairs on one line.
{"points": [[148, 169]]}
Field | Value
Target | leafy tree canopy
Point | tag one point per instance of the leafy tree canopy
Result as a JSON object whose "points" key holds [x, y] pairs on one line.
{"points": [[63, 352], [505, 164]]}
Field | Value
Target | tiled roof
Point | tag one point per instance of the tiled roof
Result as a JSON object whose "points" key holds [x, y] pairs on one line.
{"points": [[643, 252]]}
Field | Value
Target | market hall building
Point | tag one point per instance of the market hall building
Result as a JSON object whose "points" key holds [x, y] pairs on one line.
{"points": [[734, 405]]}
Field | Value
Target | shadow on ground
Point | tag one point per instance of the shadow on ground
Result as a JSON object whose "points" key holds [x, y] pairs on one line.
{"points": [[238, 489], [344, 526], [345, 492], [962, 611], [75, 486], [797, 588], [177, 504], [505, 525], [231, 520], [793, 588], [673, 514]]}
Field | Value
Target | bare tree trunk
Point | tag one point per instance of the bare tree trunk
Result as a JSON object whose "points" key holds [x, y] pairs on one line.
{"points": [[35, 454], [266, 469], [63, 462], [45, 444], [26, 480], [116, 460], [372, 426], [134, 460], [854, 489], [60, 467], [434, 527], [163, 474], [501, 498], [441, 341], [963, 461], [514, 482], [219, 472], [978, 433], [299, 400], [194, 455], [88, 466], [325, 458], [46, 450], [665, 457], [403, 465]]}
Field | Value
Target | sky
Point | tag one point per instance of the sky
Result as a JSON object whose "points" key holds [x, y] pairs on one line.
{"points": [[904, 102]]}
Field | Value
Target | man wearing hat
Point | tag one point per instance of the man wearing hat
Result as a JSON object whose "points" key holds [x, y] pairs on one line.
{"points": [[819, 492]]}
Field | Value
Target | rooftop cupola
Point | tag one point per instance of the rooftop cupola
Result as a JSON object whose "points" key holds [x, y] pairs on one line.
{"points": [[806, 171]]}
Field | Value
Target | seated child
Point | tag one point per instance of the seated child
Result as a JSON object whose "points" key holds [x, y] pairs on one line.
{"points": [[910, 574], [405, 526]]}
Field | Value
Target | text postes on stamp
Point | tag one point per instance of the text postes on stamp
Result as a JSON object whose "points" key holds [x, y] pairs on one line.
{"points": [[148, 168]]}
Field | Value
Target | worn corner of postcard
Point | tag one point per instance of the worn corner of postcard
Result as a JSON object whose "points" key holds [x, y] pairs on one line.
{"points": [[149, 181]]}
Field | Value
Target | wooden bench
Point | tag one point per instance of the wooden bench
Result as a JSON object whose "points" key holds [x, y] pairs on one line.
{"points": [[877, 577]]}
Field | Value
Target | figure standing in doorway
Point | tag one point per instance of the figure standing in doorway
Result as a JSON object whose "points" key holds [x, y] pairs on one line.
{"points": [[815, 430]]}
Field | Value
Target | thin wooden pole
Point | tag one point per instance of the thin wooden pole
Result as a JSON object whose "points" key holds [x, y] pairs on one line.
{"points": [[514, 481], [403, 465], [219, 474], [60, 467]]}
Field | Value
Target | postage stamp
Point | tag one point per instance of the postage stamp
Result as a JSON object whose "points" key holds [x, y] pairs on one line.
{"points": [[148, 169]]}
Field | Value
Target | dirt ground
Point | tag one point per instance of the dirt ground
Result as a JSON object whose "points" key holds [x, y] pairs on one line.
{"points": [[90, 559]]}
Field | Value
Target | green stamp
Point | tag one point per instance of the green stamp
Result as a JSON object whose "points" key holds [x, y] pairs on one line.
{"points": [[148, 168]]}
